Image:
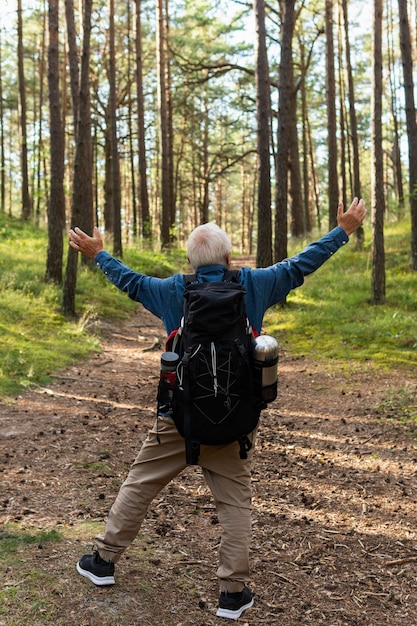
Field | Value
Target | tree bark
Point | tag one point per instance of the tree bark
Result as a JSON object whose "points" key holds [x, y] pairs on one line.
{"points": [[263, 115], [143, 182], [333, 190], [286, 94], [26, 199], [165, 130], [353, 123], [115, 160], [410, 111], [73, 61], [56, 209], [2, 151], [82, 200], [377, 179]]}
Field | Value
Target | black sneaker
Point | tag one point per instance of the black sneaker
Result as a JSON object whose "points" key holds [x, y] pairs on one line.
{"points": [[232, 605], [96, 569]]}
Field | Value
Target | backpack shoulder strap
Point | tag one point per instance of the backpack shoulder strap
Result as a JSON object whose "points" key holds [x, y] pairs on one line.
{"points": [[189, 278], [230, 276]]}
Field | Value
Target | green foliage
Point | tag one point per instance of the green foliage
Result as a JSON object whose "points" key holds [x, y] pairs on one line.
{"points": [[331, 317], [36, 338]]}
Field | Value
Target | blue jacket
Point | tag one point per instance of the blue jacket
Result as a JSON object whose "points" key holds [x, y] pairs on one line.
{"points": [[264, 286]]}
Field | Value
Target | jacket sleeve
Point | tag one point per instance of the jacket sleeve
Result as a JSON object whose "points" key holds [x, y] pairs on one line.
{"points": [[271, 285], [157, 295]]}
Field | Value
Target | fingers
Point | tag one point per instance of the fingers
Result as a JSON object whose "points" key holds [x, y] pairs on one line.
{"points": [[81, 242], [357, 206], [354, 203], [360, 209], [77, 237]]}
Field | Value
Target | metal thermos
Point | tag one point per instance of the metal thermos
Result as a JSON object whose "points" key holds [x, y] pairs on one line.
{"points": [[265, 355]]}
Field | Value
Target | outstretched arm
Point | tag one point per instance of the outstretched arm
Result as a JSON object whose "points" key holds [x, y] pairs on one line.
{"points": [[354, 216], [81, 242]]}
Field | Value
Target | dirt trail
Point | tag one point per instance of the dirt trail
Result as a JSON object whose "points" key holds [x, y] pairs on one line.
{"points": [[334, 539]]}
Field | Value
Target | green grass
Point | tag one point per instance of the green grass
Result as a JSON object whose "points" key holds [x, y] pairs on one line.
{"points": [[331, 318], [36, 340], [13, 538]]}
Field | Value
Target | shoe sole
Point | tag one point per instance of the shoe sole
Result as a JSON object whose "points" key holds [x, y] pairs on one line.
{"points": [[97, 580], [228, 613]]}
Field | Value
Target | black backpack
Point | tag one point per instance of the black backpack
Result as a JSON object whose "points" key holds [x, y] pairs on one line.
{"points": [[213, 399]]}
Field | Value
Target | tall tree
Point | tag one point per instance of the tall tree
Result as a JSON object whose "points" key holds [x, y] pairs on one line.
{"points": [[309, 184], [131, 134], [115, 160], [263, 116], [143, 181], [26, 199], [333, 187], [394, 101], [73, 61], [286, 101], [353, 123], [410, 111], [2, 159], [165, 129], [205, 165], [82, 199], [344, 151], [39, 109], [307, 195], [377, 181], [56, 208], [297, 225]]}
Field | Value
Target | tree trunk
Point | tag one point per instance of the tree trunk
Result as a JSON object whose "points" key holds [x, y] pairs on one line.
{"points": [[377, 180], [26, 200], [297, 211], [286, 97], [165, 131], [82, 201], [410, 111], [132, 166], [333, 191], [394, 91], [73, 61], [307, 196], [357, 191], [263, 114], [2, 151], [56, 209], [108, 213], [115, 160], [343, 130], [40, 174], [143, 183], [205, 168]]}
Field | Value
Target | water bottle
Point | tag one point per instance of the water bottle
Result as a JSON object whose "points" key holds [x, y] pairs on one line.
{"points": [[169, 362], [265, 356]]}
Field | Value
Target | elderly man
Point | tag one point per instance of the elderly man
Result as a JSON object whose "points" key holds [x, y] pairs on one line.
{"points": [[162, 456]]}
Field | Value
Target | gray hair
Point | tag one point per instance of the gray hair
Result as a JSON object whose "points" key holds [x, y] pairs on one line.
{"points": [[208, 244]]}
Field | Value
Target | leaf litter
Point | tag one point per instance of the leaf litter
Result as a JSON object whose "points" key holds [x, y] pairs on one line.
{"points": [[334, 499]]}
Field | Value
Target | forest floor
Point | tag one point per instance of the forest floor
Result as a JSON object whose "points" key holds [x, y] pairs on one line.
{"points": [[334, 480]]}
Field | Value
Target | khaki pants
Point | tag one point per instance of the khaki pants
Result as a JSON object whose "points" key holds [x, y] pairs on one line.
{"points": [[227, 476]]}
